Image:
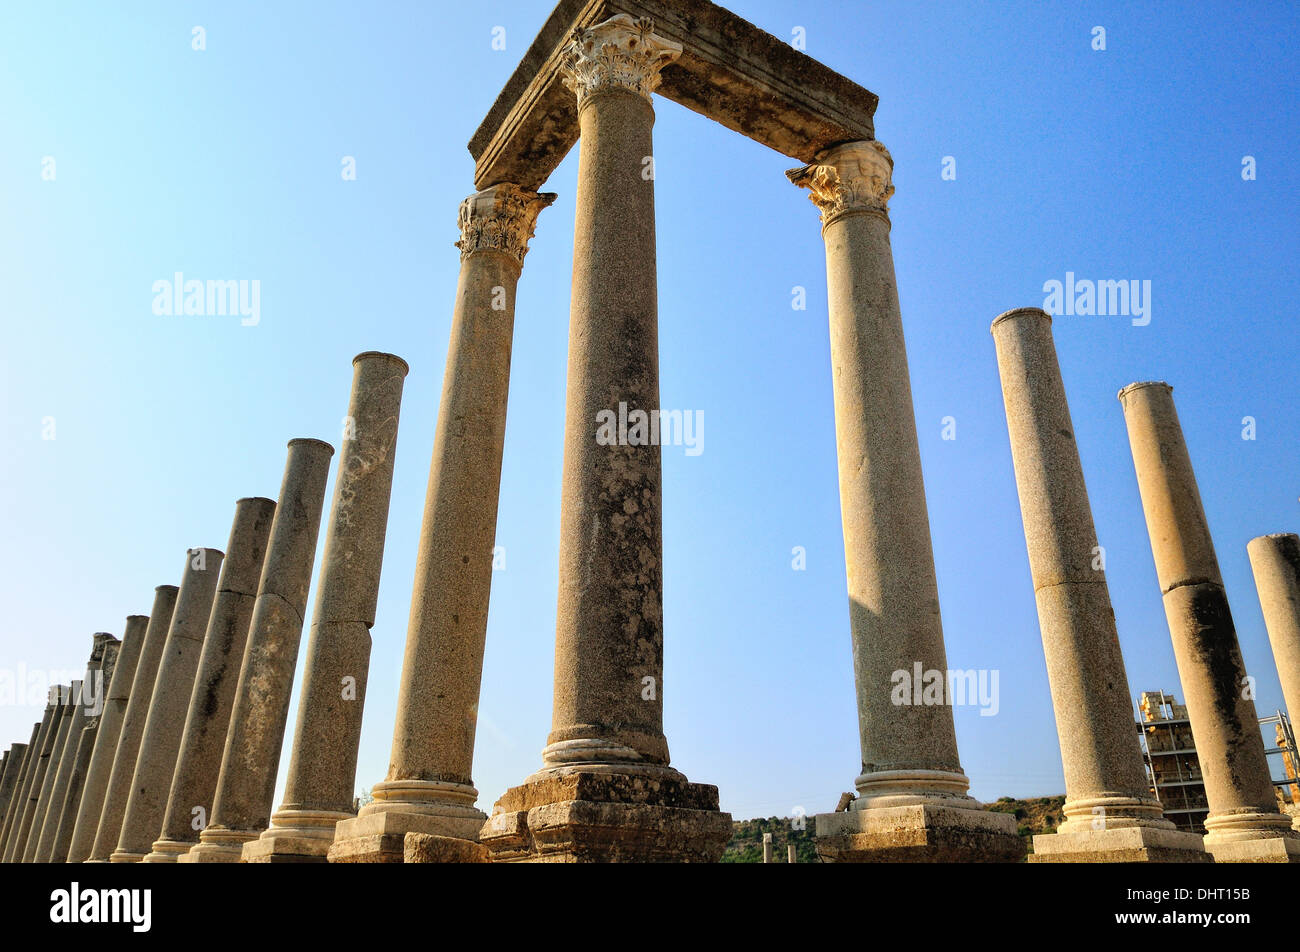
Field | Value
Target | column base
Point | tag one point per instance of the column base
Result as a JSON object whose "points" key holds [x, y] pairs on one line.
{"points": [[218, 845], [381, 837], [1131, 844], [431, 848], [1274, 849], [295, 836], [930, 832], [126, 856], [581, 815], [167, 851]]}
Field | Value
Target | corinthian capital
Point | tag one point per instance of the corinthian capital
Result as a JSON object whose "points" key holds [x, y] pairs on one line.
{"points": [[620, 53], [502, 218], [850, 177]]}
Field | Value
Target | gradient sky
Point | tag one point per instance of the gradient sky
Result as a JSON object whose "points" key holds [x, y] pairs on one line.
{"points": [[225, 163]]}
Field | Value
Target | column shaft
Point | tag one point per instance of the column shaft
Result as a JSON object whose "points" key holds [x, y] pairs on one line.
{"points": [[13, 769], [251, 757], [323, 764], [1243, 813], [160, 742], [14, 814], [91, 805], [1275, 561], [203, 740], [134, 716], [39, 800]]}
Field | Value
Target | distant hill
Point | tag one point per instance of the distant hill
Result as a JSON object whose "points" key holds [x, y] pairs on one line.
{"points": [[1037, 815]]}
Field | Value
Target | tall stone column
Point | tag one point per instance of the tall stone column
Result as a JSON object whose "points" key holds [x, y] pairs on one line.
{"points": [[1244, 823], [606, 764], [134, 717], [91, 804], [912, 803], [323, 766], [14, 813], [1110, 813], [429, 788], [13, 768], [161, 740], [246, 786], [198, 763], [87, 705], [1275, 560], [39, 798]]}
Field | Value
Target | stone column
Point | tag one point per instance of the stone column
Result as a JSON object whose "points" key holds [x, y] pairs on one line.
{"points": [[198, 764], [1110, 813], [13, 767], [429, 788], [912, 803], [91, 805], [134, 717], [14, 813], [94, 712], [87, 705], [251, 757], [1244, 823], [606, 763], [160, 743], [323, 766], [1275, 560], [39, 798]]}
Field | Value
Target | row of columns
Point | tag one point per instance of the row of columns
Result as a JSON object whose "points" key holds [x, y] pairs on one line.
{"points": [[1110, 812], [184, 762]]}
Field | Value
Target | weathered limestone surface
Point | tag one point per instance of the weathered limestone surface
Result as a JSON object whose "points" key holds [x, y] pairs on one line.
{"points": [[728, 70], [13, 768], [161, 739], [1244, 823], [251, 757], [88, 705], [1275, 561], [606, 790], [909, 751], [323, 766], [39, 800], [429, 788], [14, 813], [1106, 786], [97, 772], [198, 764], [118, 790]]}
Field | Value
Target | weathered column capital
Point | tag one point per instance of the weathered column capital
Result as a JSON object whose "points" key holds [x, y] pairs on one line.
{"points": [[500, 218], [855, 176], [620, 53]]}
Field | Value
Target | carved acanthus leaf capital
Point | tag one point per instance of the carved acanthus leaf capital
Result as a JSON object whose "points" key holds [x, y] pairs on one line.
{"points": [[501, 218], [855, 176], [621, 52]]}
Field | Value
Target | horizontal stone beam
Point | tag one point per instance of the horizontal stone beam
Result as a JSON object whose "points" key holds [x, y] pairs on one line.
{"points": [[730, 71]]}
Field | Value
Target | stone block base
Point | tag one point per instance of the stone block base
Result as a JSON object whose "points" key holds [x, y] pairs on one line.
{"points": [[381, 837], [919, 833], [1276, 849], [123, 856], [1136, 844], [431, 848], [167, 851], [581, 817], [218, 846]]}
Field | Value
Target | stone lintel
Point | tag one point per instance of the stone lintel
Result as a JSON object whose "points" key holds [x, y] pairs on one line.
{"points": [[729, 71]]}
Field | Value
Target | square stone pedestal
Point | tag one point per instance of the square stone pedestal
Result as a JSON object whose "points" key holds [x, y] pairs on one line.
{"points": [[582, 817], [1134, 844], [1275, 849], [918, 833], [430, 848], [381, 837]]}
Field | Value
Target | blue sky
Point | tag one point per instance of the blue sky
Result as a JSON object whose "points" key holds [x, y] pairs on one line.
{"points": [[225, 164]]}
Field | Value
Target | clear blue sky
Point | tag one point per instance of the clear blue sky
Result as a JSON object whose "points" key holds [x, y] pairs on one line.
{"points": [[225, 163]]}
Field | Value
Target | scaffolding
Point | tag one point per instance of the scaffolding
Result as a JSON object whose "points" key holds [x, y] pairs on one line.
{"points": [[1174, 769]]}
